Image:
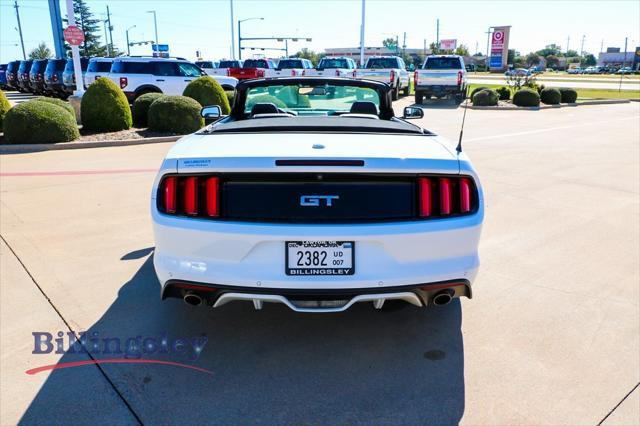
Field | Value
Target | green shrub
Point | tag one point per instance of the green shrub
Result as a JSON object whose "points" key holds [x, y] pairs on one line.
{"points": [[39, 122], [66, 105], [568, 96], [4, 107], [230, 96], [526, 98], [105, 108], [504, 93], [141, 108], [207, 91], [486, 97], [175, 114], [550, 96], [264, 99], [476, 90]]}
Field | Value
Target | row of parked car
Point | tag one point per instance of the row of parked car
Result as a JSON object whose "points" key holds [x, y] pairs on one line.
{"points": [[601, 70]]}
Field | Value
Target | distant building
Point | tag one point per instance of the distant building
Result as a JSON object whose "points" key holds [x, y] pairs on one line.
{"points": [[613, 57]]}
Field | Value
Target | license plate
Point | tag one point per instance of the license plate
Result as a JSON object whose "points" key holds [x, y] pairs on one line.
{"points": [[319, 257]]}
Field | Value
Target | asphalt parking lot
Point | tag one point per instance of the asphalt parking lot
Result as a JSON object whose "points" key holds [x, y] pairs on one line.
{"points": [[552, 335]]}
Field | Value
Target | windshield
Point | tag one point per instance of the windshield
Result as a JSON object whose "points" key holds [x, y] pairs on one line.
{"points": [[255, 63], [382, 63], [333, 63], [55, 65], [442, 64], [205, 64], [229, 64], [286, 64], [303, 99]]}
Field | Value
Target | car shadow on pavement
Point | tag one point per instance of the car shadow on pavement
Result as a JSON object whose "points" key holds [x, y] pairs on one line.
{"points": [[271, 366]]}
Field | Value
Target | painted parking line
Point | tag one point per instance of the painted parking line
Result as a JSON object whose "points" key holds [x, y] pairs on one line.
{"points": [[78, 172]]}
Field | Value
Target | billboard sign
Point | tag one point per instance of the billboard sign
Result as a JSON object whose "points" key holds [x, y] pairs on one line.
{"points": [[449, 44], [499, 48]]}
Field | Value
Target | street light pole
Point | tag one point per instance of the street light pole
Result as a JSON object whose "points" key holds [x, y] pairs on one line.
{"points": [[127, 31], [362, 36], [240, 21], [233, 36], [155, 23]]}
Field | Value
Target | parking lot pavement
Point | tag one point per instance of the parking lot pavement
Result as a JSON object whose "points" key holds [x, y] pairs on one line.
{"points": [[15, 98], [551, 336]]}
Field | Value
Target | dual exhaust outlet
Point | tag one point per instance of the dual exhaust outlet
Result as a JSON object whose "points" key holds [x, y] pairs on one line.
{"points": [[441, 298]]}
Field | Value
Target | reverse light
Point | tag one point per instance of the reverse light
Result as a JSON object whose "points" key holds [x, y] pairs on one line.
{"points": [[123, 82]]}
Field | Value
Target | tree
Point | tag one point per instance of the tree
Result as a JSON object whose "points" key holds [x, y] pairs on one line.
{"points": [[40, 52], [550, 49], [571, 54], [434, 48], [511, 56], [532, 59], [588, 60], [90, 26], [390, 43], [310, 55], [552, 61], [462, 50]]}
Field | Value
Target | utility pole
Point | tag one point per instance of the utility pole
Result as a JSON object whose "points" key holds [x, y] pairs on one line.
{"points": [[568, 38], [110, 29], [233, 36], [24, 55], [601, 45], [155, 23], [128, 45], [488, 36], [424, 48], [624, 61], [404, 44], [438, 33], [106, 40], [397, 45], [582, 46], [476, 51], [362, 37]]}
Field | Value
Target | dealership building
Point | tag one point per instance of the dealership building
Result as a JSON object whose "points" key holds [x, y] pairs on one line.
{"points": [[613, 57]]}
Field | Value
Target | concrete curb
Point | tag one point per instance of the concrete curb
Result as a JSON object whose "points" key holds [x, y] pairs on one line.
{"points": [[25, 148], [594, 102]]}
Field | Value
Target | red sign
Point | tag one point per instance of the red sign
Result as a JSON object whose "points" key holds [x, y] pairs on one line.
{"points": [[73, 35], [497, 40], [448, 44]]}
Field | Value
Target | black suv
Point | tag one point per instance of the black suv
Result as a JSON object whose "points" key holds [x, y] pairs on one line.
{"points": [[53, 77]]}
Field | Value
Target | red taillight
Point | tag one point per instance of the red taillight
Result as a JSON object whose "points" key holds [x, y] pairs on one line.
{"points": [[123, 82], [190, 196], [424, 197], [293, 73], [415, 79], [459, 78], [169, 194], [260, 73], [392, 76], [54, 77], [465, 195], [212, 197], [445, 196]]}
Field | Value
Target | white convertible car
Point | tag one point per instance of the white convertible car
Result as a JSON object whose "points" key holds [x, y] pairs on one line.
{"points": [[312, 194]]}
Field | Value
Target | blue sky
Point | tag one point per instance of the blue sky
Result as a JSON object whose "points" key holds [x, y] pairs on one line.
{"points": [[204, 25]]}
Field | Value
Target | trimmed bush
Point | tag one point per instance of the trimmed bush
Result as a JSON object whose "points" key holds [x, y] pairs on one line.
{"points": [[207, 91], [4, 107], [264, 99], [105, 108], [486, 97], [550, 96], [568, 96], [175, 114], [39, 122], [476, 90], [526, 98], [141, 108], [504, 93], [230, 97], [66, 105]]}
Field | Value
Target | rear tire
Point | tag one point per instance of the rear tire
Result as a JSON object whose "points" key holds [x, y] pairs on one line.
{"points": [[418, 98], [396, 93], [406, 90]]}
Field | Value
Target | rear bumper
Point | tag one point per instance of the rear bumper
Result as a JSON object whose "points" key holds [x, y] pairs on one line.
{"points": [[316, 300], [440, 90]]}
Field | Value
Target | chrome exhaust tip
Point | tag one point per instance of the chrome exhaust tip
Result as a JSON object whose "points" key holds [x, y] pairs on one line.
{"points": [[192, 299], [443, 297]]}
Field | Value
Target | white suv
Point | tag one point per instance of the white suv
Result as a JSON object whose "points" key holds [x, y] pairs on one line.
{"points": [[170, 76], [98, 67]]}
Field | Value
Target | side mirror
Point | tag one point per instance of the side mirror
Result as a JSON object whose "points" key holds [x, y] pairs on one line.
{"points": [[211, 112], [411, 113]]}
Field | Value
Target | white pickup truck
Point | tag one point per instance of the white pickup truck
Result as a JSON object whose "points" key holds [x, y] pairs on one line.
{"points": [[333, 67], [223, 68], [441, 76], [387, 69], [292, 67]]}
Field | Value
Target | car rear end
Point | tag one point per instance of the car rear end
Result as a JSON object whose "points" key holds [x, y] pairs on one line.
{"points": [[253, 68], [367, 218], [11, 74], [97, 67], [24, 85], [69, 76], [53, 77], [36, 76]]}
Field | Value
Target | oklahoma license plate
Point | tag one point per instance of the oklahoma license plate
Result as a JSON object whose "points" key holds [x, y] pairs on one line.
{"points": [[319, 257]]}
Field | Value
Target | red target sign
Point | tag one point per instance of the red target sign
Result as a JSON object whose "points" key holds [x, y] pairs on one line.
{"points": [[73, 35]]}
